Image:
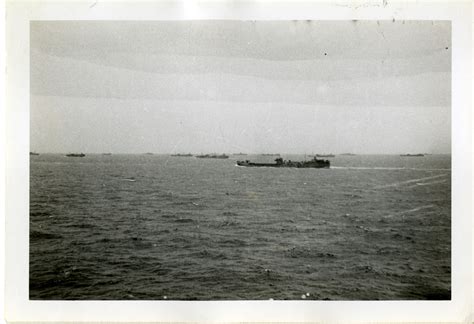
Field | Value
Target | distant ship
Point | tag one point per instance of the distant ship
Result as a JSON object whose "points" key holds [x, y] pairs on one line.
{"points": [[271, 154], [280, 163], [106, 153], [412, 155], [34, 153], [75, 155], [348, 154], [325, 155], [212, 156], [239, 154], [148, 153], [182, 155]]}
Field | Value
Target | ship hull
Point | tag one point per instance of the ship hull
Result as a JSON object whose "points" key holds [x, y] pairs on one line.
{"points": [[300, 165], [283, 166]]}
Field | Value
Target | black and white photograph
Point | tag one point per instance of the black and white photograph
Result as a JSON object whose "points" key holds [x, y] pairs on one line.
{"points": [[240, 160], [237, 162]]}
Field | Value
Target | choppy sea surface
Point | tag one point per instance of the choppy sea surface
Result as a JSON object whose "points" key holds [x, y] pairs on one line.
{"points": [[158, 227]]}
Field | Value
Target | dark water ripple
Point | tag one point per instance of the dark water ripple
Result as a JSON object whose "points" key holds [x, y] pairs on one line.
{"points": [[155, 227]]}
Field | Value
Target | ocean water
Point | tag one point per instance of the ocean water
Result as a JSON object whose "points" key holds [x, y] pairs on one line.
{"points": [[148, 227]]}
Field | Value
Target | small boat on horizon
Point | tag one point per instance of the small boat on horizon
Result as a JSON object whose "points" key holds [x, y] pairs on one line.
{"points": [[182, 155], [212, 156], [75, 155], [412, 155], [106, 153], [34, 153], [325, 155]]}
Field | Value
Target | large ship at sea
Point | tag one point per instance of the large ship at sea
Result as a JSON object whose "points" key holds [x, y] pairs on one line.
{"points": [[212, 156], [280, 163]]}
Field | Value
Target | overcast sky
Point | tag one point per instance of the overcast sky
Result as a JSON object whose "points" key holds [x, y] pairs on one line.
{"points": [[241, 86]]}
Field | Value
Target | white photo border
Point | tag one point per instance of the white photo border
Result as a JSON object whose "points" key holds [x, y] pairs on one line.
{"points": [[19, 308]]}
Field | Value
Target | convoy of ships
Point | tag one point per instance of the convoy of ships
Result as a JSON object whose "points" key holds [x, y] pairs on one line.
{"points": [[316, 162]]}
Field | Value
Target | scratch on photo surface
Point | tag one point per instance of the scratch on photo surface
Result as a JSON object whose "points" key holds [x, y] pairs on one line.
{"points": [[395, 184], [410, 211], [426, 183]]}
